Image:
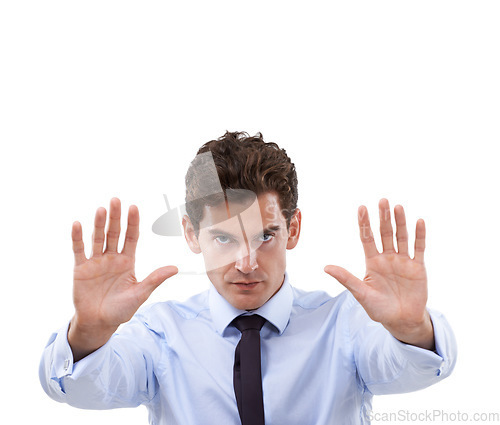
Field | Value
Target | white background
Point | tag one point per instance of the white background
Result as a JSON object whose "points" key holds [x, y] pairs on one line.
{"points": [[370, 99]]}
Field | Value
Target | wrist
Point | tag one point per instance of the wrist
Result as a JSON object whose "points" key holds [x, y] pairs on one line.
{"points": [[419, 334], [87, 328], [84, 339]]}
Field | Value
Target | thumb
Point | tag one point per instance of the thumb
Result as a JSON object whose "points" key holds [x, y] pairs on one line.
{"points": [[156, 278], [351, 282]]}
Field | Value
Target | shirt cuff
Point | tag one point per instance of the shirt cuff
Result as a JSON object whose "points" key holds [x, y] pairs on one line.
{"points": [[443, 359], [62, 356], [63, 363]]}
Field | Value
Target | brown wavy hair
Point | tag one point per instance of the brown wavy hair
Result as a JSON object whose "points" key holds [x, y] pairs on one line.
{"points": [[242, 162]]}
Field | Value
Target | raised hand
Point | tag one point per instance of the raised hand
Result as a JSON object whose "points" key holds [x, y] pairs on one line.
{"points": [[394, 289], [106, 292]]}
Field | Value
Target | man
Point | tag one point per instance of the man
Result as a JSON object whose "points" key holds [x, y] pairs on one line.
{"points": [[321, 359]]}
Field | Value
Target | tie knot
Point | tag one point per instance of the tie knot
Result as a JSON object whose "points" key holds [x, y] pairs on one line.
{"points": [[244, 323]]}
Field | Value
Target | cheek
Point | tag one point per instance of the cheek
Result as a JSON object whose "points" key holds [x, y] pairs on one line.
{"points": [[215, 277], [272, 255]]}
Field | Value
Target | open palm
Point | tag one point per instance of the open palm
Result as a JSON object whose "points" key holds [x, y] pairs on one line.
{"points": [[106, 292], [394, 289]]}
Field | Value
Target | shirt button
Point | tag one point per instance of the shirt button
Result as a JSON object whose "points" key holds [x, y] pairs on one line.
{"points": [[66, 364]]}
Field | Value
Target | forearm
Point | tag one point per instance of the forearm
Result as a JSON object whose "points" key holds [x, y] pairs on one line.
{"points": [[388, 365], [66, 381], [117, 374]]}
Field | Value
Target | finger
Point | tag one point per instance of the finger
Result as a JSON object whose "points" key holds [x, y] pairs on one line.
{"points": [[420, 241], [98, 234], [78, 248], [351, 282], [113, 233], [366, 233], [386, 232], [401, 231], [155, 279], [132, 234]]}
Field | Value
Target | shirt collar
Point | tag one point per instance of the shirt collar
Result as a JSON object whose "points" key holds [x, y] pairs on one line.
{"points": [[276, 310]]}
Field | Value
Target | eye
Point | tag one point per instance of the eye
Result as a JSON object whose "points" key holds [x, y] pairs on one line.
{"points": [[267, 236], [222, 239]]}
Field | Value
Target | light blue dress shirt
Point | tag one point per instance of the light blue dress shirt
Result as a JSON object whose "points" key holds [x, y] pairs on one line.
{"points": [[323, 359]]}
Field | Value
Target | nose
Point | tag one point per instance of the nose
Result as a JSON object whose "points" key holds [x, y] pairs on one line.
{"points": [[247, 263]]}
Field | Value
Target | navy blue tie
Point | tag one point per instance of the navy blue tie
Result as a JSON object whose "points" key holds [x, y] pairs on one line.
{"points": [[247, 377]]}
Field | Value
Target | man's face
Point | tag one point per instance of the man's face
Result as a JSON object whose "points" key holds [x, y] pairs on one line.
{"points": [[245, 252]]}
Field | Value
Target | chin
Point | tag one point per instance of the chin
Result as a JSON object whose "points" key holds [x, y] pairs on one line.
{"points": [[246, 305]]}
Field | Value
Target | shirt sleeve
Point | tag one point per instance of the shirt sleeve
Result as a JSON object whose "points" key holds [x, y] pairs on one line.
{"points": [[386, 365], [119, 374]]}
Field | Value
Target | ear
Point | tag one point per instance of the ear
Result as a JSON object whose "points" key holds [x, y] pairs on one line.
{"points": [[294, 231], [190, 236]]}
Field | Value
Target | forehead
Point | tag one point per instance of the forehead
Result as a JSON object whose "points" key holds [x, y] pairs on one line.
{"points": [[256, 213]]}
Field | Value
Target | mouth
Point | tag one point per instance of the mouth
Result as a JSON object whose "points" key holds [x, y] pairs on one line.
{"points": [[246, 286]]}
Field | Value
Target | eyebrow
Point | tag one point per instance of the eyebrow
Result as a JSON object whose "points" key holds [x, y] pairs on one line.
{"points": [[272, 228]]}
